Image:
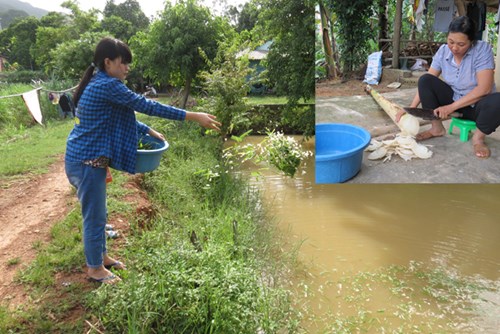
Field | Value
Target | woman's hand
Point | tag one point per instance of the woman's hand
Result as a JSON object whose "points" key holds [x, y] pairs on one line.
{"points": [[399, 115], [156, 134], [207, 121], [443, 112]]}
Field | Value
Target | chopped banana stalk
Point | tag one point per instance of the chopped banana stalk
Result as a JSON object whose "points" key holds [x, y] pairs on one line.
{"points": [[404, 146], [408, 124]]}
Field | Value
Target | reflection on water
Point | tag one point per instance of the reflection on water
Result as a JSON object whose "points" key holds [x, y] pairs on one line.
{"points": [[355, 228]]}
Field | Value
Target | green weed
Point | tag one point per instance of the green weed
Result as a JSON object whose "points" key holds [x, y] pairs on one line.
{"points": [[203, 265], [14, 261], [422, 300]]}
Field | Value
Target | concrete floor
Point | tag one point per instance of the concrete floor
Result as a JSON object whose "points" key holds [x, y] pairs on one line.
{"points": [[453, 161]]}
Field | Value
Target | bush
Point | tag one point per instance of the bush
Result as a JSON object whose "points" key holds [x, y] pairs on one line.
{"points": [[13, 111], [282, 118], [25, 77]]}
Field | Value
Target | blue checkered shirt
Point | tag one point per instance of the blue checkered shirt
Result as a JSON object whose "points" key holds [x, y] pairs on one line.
{"points": [[106, 124]]}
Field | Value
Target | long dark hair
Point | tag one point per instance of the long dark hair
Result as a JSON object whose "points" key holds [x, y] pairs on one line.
{"points": [[464, 25], [107, 48]]}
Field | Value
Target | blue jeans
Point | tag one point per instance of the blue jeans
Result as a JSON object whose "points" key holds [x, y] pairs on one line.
{"points": [[90, 184]]}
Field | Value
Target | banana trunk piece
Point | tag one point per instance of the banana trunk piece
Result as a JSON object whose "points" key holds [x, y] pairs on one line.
{"points": [[408, 124]]}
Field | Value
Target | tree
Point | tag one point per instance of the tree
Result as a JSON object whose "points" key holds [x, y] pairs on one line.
{"points": [[133, 19], [383, 23], [170, 52], [118, 27], [80, 21], [354, 24], [227, 86], [331, 65], [17, 39], [245, 16], [57, 30], [290, 62], [71, 58], [52, 31]]}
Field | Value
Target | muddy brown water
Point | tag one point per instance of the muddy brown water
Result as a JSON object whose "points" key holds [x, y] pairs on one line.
{"points": [[356, 228]]}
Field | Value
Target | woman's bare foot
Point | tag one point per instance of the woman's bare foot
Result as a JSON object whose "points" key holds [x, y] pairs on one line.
{"points": [[428, 134], [437, 130], [480, 148]]}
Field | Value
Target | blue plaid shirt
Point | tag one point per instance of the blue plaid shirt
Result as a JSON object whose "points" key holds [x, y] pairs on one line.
{"points": [[106, 124]]}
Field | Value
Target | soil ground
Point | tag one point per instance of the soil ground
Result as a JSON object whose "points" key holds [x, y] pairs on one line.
{"points": [[339, 87]]}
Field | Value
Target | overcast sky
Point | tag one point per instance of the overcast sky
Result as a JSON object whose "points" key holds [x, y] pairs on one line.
{"points": [[149, 7]]}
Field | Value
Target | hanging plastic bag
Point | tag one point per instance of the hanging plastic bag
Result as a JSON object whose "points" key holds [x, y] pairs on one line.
{"points": [[374, 68]]}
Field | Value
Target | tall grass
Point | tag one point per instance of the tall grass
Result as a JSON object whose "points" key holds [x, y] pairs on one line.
{"points": [[12, 110], [32, 149], [204, 265], [14, 114]]}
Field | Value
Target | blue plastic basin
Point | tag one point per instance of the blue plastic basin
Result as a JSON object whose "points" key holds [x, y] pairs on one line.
{"points": [[339, 151], [149, 160]]}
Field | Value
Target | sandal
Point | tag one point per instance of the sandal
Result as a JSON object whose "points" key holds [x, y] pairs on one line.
{"points": [[111, 279], [117, 265], [112, 234]]}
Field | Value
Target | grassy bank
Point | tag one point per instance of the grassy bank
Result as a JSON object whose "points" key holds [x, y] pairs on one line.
{"points": [[207, 262]]}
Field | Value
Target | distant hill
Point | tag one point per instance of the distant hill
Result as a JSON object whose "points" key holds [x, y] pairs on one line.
{"points": [[10, 8]]}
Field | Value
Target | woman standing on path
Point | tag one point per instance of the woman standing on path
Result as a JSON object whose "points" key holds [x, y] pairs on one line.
{"points": [[105, 135], [466, 67]]}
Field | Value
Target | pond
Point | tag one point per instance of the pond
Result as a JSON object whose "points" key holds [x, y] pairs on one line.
{"points": [[403, 258]]}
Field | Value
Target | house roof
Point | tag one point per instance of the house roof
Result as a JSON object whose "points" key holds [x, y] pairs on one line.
{"points": [[259, 53]]}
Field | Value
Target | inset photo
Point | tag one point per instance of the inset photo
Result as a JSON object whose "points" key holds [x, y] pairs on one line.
{"points": [[411, 102]]}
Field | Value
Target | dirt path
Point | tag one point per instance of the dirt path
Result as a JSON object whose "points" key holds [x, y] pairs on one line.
{"points": [[28, 209]]}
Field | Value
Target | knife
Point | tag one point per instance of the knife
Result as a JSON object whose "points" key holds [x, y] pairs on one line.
{"points": [[426, 113]]}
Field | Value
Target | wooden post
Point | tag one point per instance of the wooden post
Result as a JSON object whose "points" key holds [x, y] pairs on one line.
{"points": [[396, 38], [460, 4]]}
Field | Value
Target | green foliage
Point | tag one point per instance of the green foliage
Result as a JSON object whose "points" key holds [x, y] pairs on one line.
{"points": [[124, 20], [290, 62], [46, 43], [22, 76], [199, 267], [13, 111], [170, 52], [227, 88], [118, 27], [282, 152], [15, 41], [245, 16], [354, 29], [280, 117], [34, 149], [72, 58]]}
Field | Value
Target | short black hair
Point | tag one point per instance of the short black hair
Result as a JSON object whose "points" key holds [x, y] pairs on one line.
{"points": [[464, 25]]}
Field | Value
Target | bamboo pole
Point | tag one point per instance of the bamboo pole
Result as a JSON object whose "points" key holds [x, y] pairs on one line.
{"points": [[408, 124]]}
